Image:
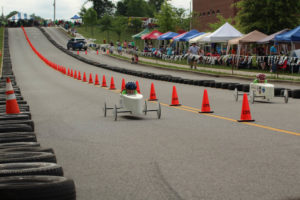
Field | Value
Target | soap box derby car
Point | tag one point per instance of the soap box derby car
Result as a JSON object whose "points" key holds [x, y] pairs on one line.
{"points": [[133, 104], [263, 91]]}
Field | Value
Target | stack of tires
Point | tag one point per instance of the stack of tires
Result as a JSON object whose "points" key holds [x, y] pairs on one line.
{"points": [[27, 170]]}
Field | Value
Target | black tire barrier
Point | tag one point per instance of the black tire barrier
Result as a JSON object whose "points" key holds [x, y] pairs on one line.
{"points": [[296, 94], [246, 88], [28, 169], [16, 157], [232, 86], [28, 149], [22, 116], [239, 87], [17, 138], [277, 91], [224, 85], [212, 84], [218, 85], [18, 144], [29, 122], [37, 188], [207, 83], [16, 128]]}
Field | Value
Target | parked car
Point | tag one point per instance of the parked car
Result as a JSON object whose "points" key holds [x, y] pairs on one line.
{"points": [[77, 43]]}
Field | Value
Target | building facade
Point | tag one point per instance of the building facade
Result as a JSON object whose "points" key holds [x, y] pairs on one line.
{"points": [[205, 12]]}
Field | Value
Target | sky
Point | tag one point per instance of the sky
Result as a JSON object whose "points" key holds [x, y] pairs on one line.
{"points": [[65, 9]]}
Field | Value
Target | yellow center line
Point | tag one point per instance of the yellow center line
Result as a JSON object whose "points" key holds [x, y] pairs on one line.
{"points": [[195, 110]]}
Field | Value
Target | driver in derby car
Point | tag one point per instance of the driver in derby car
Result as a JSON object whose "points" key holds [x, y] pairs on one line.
{"points": [[260, 78], [130, 89]]}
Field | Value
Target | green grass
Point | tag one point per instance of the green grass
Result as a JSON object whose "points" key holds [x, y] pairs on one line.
{"points": [[1, 44], [200, 70], [113, 37]]}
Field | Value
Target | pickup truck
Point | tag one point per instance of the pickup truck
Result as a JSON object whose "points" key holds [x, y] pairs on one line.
{"points": [[77, 43]]}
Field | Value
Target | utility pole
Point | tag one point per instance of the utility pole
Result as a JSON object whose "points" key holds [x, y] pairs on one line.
{"points": [[191, 16], [54, 11]]}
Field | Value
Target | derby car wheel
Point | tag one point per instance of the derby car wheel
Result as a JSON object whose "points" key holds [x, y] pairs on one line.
{"points": [[145, 108], [252, 97], [159, 111], [116, 112], [236, 94], [104, 109], [286, 96]]}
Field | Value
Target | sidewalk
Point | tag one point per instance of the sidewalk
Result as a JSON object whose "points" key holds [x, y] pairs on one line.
{"points": [[201, 68]]}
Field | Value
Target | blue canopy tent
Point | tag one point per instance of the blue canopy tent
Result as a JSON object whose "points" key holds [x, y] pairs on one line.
{"points": [[290, 36], [75, 17], [184, 37], [167, 36]]}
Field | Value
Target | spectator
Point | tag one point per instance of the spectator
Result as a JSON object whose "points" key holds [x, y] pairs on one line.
{"points": [[273, 52], [194, 50], [125, 44], [169, 50]]}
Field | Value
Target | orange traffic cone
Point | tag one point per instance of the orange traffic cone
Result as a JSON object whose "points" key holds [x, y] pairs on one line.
{"points": [[91, 79], [104, 81], [112, 84], [175, 101], [205, 104], [71, 74], [107, 52], [97, 80], [138, 87], [84, 77], [246, 115], [68, 71], [77, 52], [85, 52], [75, 74], [79, 76], [12, 106], [123, 84], [152, 93], [97, 52]]}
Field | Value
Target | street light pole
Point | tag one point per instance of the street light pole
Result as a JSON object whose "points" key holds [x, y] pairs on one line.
{"points": [[54, 11]]}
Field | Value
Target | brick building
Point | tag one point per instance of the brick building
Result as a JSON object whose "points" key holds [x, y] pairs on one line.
{"points": [[205, 12]]}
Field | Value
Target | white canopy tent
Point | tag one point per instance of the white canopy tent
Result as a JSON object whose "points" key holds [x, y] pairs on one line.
{"points": [[222, 34]]}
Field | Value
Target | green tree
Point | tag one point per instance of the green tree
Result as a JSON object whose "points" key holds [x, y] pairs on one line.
{"points": [[221, 20], [182, 20], [82, 11], [135, 24], [119, 25], [267, 16], [166, 18], [156, 4], [134, 8], [90, 19], [106, 24], [103, 7], [12, 13], [121, 8]]}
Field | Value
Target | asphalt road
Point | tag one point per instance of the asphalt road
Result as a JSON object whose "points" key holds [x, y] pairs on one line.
{"points": [[184, 155]]}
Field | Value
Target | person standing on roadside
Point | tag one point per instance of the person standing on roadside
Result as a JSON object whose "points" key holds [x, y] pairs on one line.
{"points": [[194, 50], [273, 52]]}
